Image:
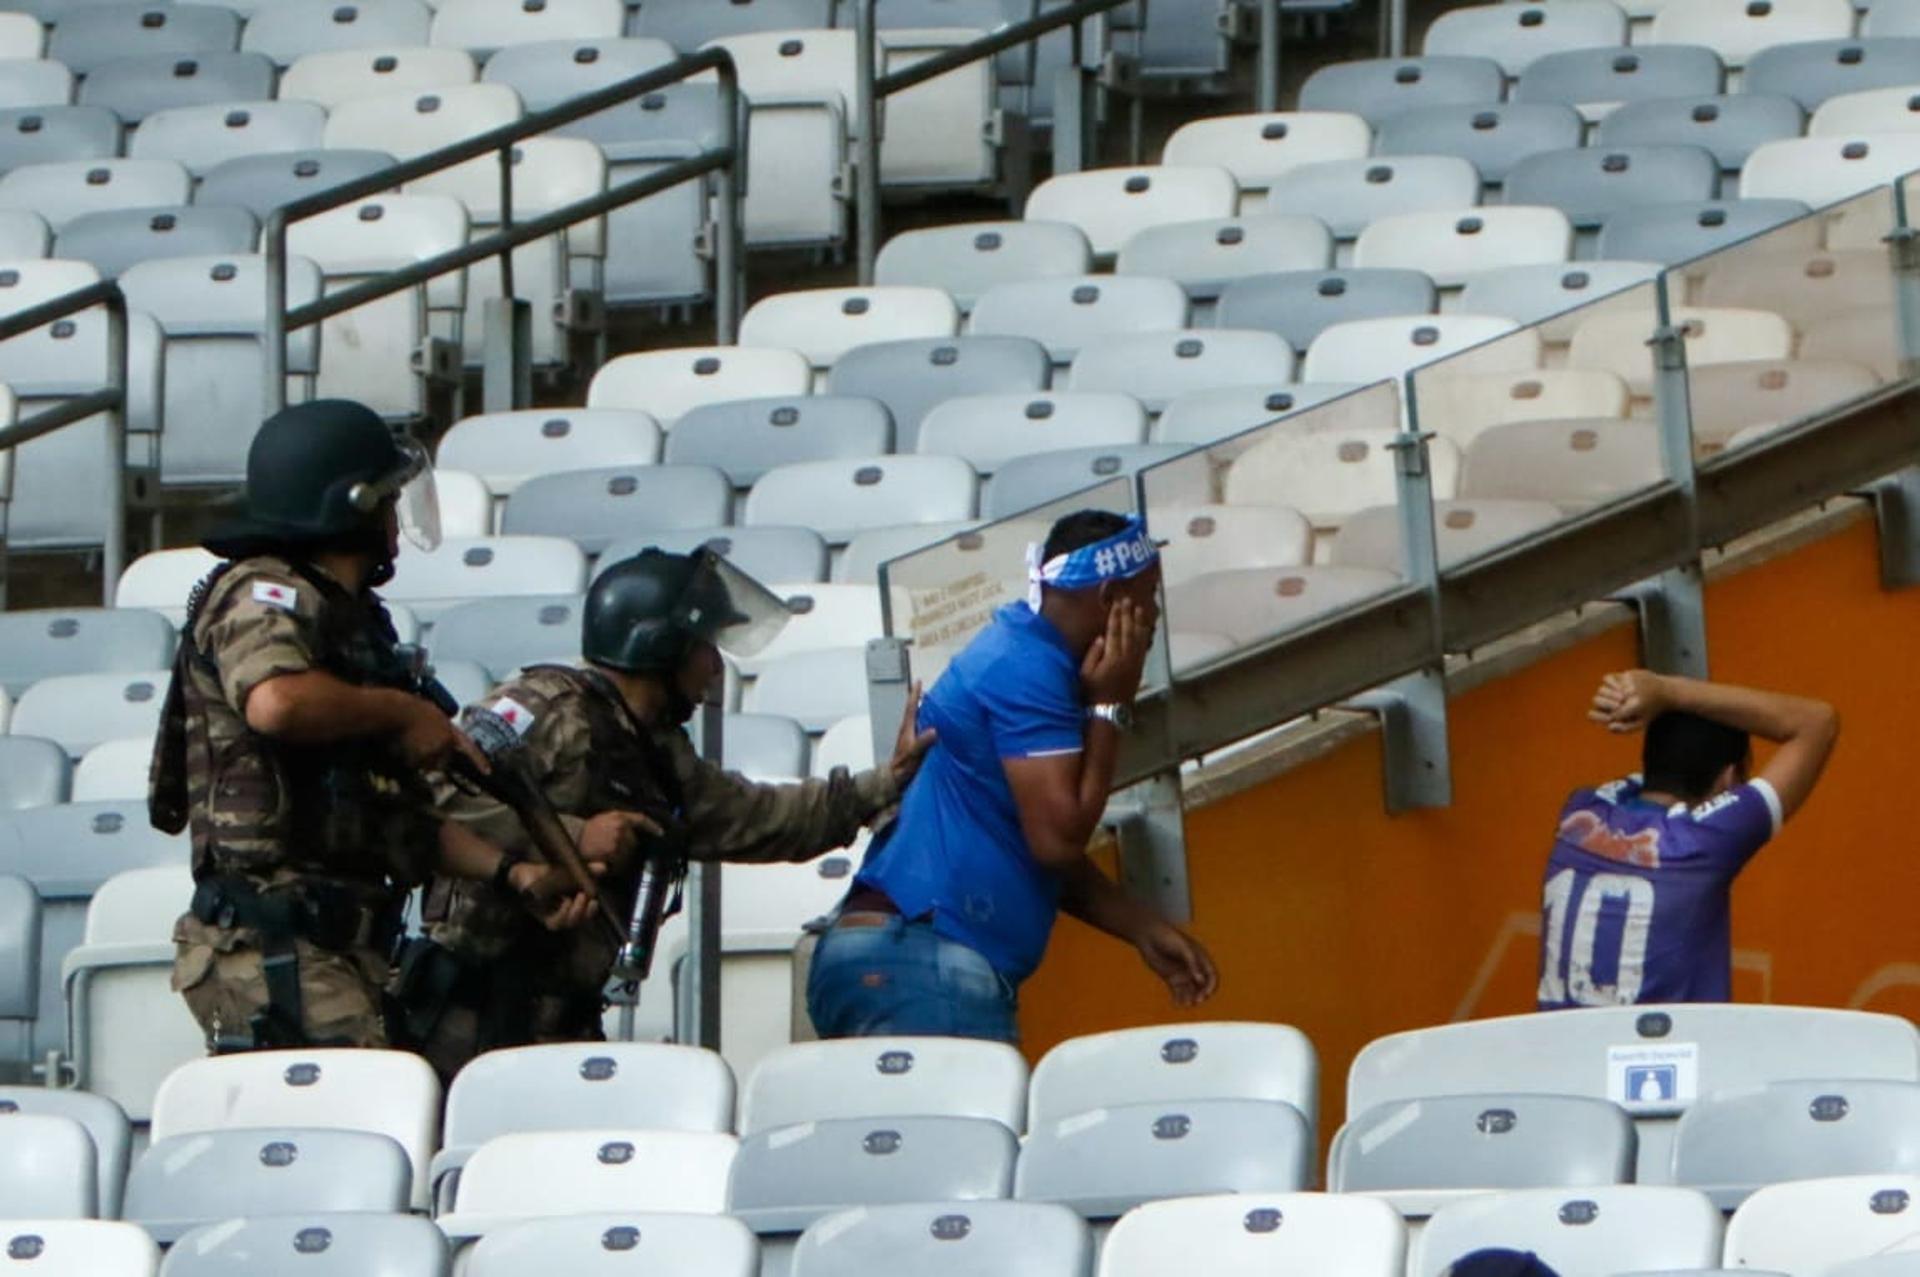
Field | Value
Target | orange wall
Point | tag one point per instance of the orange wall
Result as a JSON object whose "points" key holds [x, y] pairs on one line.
{"points": [[1328, 914]]}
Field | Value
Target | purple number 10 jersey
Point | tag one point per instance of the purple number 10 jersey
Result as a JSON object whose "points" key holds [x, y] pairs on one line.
{"points": [[1635, 907]]}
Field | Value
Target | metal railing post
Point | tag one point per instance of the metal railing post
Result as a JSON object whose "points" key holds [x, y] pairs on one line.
{"points": [[1673, 612], [274, 241], [113, 557], [506, 218], [1269, 79], [729, 249], [1396, 27], [867, 126]]}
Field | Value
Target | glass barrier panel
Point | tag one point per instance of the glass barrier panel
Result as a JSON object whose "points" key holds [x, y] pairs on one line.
{"points": [[1541, 424], [939, 597], [1783, 327], [1272, 528]]}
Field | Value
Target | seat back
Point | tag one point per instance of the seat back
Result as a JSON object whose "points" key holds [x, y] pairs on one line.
{"points": [[1009, 1239], [287, 33], [1607, 1229], [667, 383], [911, 377], [531, 1174], [135, 88], [485, 25], [1242, 1234], [602, 1245], [261, 183], [1065, 314], [88, 37], [1111, 205], [886, 1077], [1349, 194], [1730, 1143], [1454, 248], [63, 190], [409, 124], [1206, 257], [1729, 127], [987, 430], [41, 643], [184, 1181], [967, 259], [745, 438], [1819, 1224], [593, 507], [202, 137], [1515, 38], [1589, 185], [1377, 89], [1300, 305], [766, 554], [1034, 480], [844, 496], [1592, 78], [823, 323], [507, 448], [48, 1168], [337, 77], [330, 1245], [47, 134], [1494, 1141], [1258, 149], [119, 239], [1217, 1060], [81, 1247], [1492, 136]]}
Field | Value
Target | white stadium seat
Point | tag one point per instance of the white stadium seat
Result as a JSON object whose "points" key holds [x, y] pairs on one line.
{"points": [[336, 77], [666, 383], [824, 323], [1113, 204], [1257, 149], [1248, 1234]]}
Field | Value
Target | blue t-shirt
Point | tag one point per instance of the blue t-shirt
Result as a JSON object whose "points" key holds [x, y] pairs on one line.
{"points": [[1636, 904], [957, 852]]}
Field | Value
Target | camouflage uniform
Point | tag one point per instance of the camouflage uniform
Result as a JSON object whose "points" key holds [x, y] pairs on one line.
{"points": [[589, 754], [321, 838]]}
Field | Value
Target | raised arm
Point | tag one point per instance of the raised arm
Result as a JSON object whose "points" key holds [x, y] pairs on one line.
{"points": [[1804, 729]]}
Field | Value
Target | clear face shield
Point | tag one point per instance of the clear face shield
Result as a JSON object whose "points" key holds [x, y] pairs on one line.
{"points": [[725, 607], [416, 502]]}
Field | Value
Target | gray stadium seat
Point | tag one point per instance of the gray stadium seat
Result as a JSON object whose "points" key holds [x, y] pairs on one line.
{"points": [[41, 643], [987, 430], [1007, 1239], [213, 311], [1026, 482], [506, 633], [815, 689], [546, 73], [604, 1246], [1348, 194], [1064, 314], [1589, 185], [885, 1077], [1419, 1153], [1208, 415], [137, 87], [1492, 136], [1732, 1047], [67, 852], [762, 745], [1157, 367], [788, 1178], [1204, 258], [20, 939], [1729, 126], [1213, 1060], [184, 1181], [106, 1124], [1299, 304], [328, 1244], [24, 235], [261, 183], [44, 134], [1516, 35], [1528, 294], [1242, 1235], [116, 240], [33, 773], [1730, 1143], [868, 551], [745, 438], [1589, 77], [596, 507], [48, 1168], [1380, 88], [81, 1247], [842, 497], [507, 448], [35, 82], [1105, 1162], [688, 26], [764, 553], [63, 190], [1670, 233], [574, 1086], [204, 137], [969, 258], [87, 37], [910, 377], [286, 32], [1258, 148], [1816, 70], [1608, 1229], [80, 711]]}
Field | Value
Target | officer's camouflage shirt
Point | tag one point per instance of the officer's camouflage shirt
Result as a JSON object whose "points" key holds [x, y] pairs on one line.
{"points": [[725, 816]]}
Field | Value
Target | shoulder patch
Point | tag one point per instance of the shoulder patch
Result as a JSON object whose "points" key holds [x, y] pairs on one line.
{"points": [[513, 714], [275, 594]]}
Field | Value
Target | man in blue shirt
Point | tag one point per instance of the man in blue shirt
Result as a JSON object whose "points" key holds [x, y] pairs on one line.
{"points": [[1636, 904], [956, 900]]}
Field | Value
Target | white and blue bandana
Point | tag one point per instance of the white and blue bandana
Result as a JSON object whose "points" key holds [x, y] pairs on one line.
{"points": [[1122, 556]]}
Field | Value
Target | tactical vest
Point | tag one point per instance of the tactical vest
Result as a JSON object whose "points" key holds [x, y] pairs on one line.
{"points": [[267, 810]]}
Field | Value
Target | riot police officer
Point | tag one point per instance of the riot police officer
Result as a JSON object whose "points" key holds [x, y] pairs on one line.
{"points": [[294, 741], [607, 743]]}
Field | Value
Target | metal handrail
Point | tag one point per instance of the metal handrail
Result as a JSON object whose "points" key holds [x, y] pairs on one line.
{"points": [[729, 257], [873, 87], [111, 401]]}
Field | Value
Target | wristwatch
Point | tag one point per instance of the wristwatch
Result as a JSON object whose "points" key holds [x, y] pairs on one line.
{"points": [[1121, 716]]}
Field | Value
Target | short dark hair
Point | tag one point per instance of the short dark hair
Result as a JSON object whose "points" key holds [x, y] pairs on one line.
{"points": [[1081, 528], [1684, 752]]}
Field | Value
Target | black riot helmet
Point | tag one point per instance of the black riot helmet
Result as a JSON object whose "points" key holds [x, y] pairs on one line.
{"points": [[318, 475], [644, 614]]}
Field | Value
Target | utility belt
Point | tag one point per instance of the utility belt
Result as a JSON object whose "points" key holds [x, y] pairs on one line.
{"points": [[326, 915]]}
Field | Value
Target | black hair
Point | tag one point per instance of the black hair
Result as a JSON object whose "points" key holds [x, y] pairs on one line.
{"points": [[1683, 753], [1082, 528]]}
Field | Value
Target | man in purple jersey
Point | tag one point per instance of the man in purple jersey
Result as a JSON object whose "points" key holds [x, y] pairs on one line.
{"points": [[1635, 907]]}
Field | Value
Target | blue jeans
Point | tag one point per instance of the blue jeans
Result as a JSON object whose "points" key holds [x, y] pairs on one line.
{"points": [[900, 977]]}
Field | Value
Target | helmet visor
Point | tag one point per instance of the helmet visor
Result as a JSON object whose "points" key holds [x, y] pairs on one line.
{"points": [[409, 485], [729, 609]]}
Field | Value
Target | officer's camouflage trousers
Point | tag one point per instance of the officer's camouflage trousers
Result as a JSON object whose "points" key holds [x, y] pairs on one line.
{"points": [[220, 973]]}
